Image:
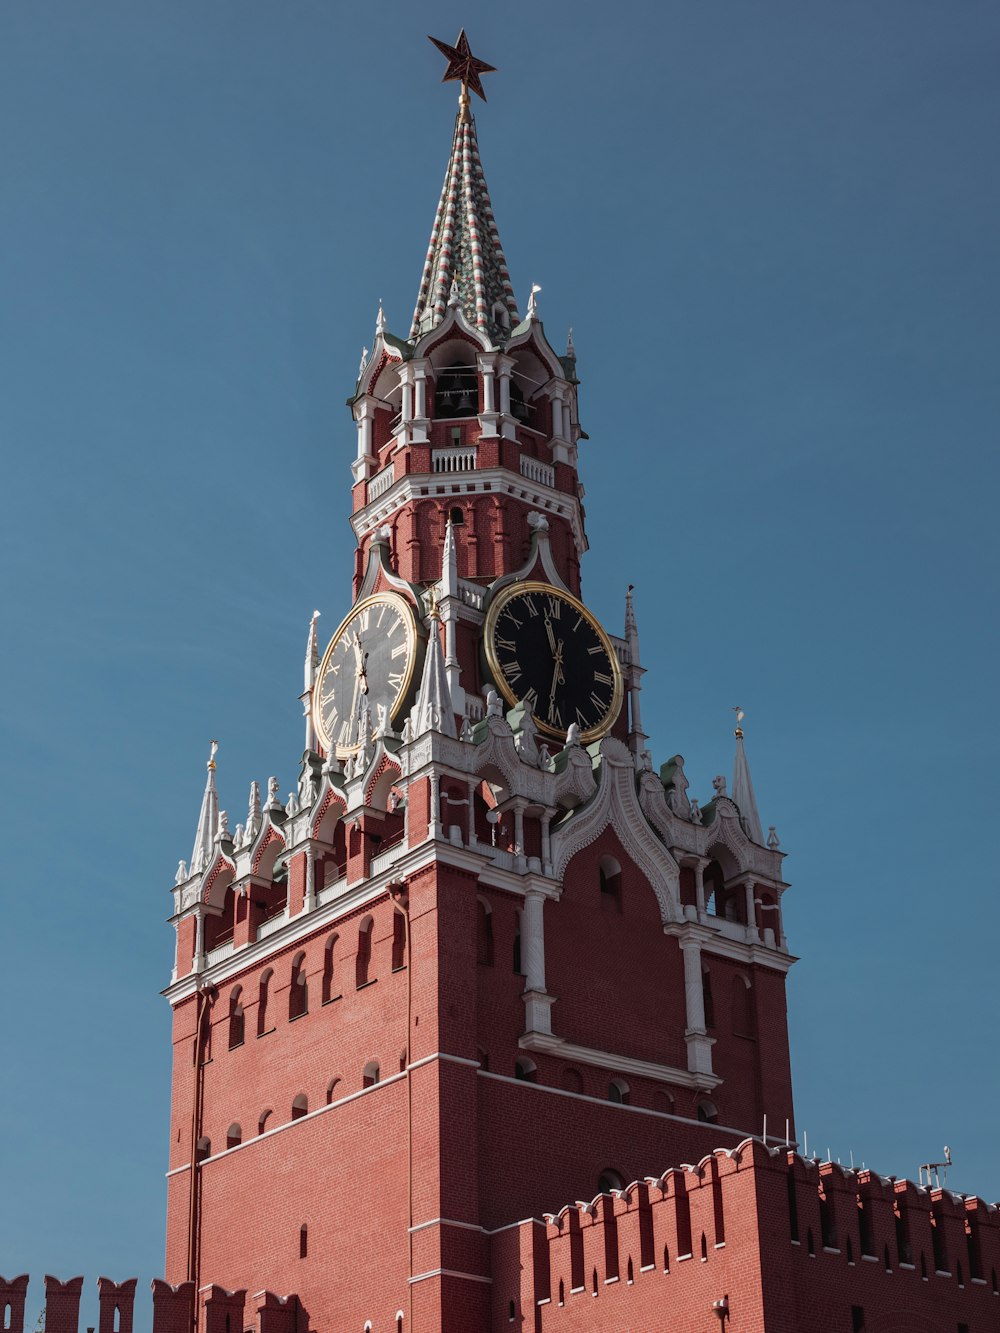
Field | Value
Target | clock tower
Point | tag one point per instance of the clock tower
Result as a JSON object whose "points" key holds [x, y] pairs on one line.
{"points": [[484, 958]]}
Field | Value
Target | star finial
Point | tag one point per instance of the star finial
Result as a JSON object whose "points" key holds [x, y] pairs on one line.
{"points": [[463, 65]]}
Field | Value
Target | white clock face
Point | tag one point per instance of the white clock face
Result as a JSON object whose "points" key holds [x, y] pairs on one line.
{"points": [[368, 666]]}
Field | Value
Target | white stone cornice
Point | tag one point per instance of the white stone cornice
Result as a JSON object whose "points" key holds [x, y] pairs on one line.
{"points": [[497, 482], [712, 941], [549, 1044]]}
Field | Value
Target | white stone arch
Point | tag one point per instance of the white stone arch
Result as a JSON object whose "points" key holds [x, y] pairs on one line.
{"points": [[616, 806]]}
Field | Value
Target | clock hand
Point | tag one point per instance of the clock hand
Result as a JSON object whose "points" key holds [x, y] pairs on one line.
{"points": [[557, 674], [552, 637]]}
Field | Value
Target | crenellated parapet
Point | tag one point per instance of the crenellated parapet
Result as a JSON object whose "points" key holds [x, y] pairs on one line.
{"points": [[784, 1239], [176, 1309]]}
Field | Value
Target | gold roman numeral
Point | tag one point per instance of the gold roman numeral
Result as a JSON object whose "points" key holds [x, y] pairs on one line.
{"points": [[512, 670]]}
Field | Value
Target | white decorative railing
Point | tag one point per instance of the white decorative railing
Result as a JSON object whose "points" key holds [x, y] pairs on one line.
{"points": [[385, 859], [220, 953], [543, 473], [380, 483], [462, 459], [330, 891], [272, 925], [474, 708], [471, 594]]}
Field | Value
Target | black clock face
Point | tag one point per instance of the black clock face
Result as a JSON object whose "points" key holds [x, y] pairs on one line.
{"points": [[366, 671], [544, 646]]}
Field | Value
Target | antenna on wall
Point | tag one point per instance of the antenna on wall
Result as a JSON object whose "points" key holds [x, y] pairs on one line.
{"points": [[937, 1172]]}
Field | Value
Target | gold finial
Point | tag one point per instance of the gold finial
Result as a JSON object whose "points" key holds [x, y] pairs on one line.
{"points": [[740, 715], [463, 66], [214, 751], [434, 613]]}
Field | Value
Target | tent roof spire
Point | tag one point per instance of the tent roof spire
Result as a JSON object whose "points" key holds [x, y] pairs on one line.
{"points": [[743, 793], [208, 818], [465, 248]]}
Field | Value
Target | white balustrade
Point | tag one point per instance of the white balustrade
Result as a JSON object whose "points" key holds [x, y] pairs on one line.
{"points": [[535, 470], [380, 483], [461, 459]]}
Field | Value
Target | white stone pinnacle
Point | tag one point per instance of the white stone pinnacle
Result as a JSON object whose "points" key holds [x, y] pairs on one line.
{"points": [[208, 818]]}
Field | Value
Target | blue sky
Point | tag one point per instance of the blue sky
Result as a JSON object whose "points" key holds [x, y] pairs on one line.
{"points": [[773, 229]]}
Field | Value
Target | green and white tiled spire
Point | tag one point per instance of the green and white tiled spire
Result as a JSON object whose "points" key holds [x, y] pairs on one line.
{"points": [[465, 247]]}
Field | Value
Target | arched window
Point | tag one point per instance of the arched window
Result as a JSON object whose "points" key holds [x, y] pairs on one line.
{"points": [[262, 1121], [484, 932], [571, 1080], [262, 998], [362, 963], [707, 1112], [610, 1180], [399, 1321], [331, 1090], [328, 981], [371, 1074], [300, 1106], [236, 1025], [618, 1092], [398, 941], [483, 1056], [706, 993], [525, 1070], [457, 516], [743, 1024], [663, 1102], [456, 393], [610, 877], [298, 991], [234, 1136], [303, 1241], [7, 1315], [203, 1149]]}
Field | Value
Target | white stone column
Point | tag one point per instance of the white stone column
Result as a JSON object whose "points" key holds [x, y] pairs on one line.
{"points": [[546, 822], [694, 995], [533, 940], [699, 1043], [406, 415], [310, 894], [472, 812], [199, 941], [751, 909], [489, 393], [434, 827], [699, 886], [421, 388], [557, 418]]}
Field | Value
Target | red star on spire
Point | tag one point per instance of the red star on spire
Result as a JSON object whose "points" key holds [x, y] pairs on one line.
{"points": [[462, 64]]}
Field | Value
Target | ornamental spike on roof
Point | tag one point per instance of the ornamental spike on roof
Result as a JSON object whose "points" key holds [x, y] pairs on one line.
{"points": [[208, 818], [743, 793], [465, 247]]}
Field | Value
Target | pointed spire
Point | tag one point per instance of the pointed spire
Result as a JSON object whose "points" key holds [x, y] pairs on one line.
{"points": [[380, 320], [208, 819], [533, 301], [363, 362], [449, 563], [570, 346], [631, 628], [465, 250], [743, 793], [434, 706], [253, 811], [312, 654]]}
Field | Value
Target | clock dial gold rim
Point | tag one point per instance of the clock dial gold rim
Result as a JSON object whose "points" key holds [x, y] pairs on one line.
{"points": [[525, 588], [405, 612]]}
